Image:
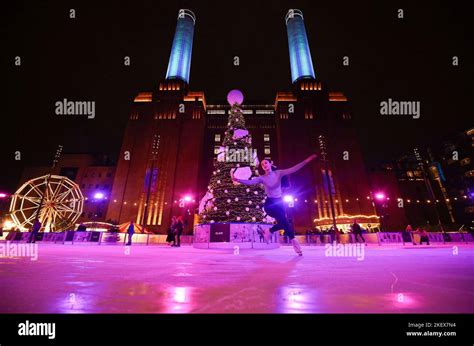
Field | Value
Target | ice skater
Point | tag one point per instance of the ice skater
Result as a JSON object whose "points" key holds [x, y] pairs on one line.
{"points": [[274, 205], [424, 237], [357, 230], [130, 231], [179, 226], [171, 239], [34, 231]]}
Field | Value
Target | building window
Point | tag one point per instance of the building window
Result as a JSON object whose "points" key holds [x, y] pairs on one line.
{"points": [[217, 138], [216, 149], [266, 137], [267, 150]]}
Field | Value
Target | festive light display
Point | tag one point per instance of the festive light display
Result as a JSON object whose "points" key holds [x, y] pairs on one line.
{"points": [[224, 200], [179, 65], [428, 201], [62, 203]]}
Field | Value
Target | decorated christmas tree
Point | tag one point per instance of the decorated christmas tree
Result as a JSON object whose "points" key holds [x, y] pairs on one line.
{"points": [[226, 201]]}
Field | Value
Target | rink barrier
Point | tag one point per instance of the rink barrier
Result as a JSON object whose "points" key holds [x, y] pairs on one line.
{"points": [[390, 237], [234, 235], [112, 238]]}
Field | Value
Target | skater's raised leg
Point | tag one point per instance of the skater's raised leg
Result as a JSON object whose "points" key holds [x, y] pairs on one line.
{"points": [[296, 246], [276, 209], [272, 181]]}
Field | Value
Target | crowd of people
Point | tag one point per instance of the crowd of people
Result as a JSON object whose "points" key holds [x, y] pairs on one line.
{"points": [[175, 230], [333, 232], [177, 225], [423, 233]]}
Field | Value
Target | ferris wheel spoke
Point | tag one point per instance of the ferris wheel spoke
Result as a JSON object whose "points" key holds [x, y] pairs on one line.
{"points": [[37, 190], [62, 195], [64, 207], [68, 211], [63, 199], [31, 218], [44, 214], [29, 208], [58, 187], [75, 199], [53, 216], [51, 192], [64, 213], [34, 200]]}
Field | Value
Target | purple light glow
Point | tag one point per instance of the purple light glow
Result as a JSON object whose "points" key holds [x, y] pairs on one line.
{"points": [[380, 196], [235, 96], [288, 198], [187, 198], [98, 195], [3, 195]]}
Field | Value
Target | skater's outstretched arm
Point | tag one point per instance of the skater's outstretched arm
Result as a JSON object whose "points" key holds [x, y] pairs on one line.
{"points": [[298, 166], [253, 181]]}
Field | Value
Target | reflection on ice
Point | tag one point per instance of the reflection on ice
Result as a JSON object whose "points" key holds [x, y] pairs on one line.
{"points": [[403, 300], [178, 300], [74, 303], [297, 299]]}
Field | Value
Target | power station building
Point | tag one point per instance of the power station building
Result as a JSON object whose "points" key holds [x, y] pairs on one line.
{"points": [[172, 137]]}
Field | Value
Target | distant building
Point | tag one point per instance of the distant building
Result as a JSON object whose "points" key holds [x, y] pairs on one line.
{"points": [[172, 137], [434, 184], [452, 166]]}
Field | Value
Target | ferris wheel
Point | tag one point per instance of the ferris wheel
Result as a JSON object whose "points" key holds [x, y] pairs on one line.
{"points": [[58, 199]]}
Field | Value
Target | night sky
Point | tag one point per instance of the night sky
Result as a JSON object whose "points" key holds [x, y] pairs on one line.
{"points": [[406, 59]]}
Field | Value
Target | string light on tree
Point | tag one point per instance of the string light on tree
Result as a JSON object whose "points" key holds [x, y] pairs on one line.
{"points": [[222, 193]]}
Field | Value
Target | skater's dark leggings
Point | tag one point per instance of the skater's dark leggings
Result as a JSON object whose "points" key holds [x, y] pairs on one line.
{"points": [[178, 238], [275, 208], [357, 234]]}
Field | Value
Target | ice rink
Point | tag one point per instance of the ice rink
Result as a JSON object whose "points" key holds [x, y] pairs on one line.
{"points": [[158, 279]]}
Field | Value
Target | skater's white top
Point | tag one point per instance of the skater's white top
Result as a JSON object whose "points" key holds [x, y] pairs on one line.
{"points": [[272, 181]]}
